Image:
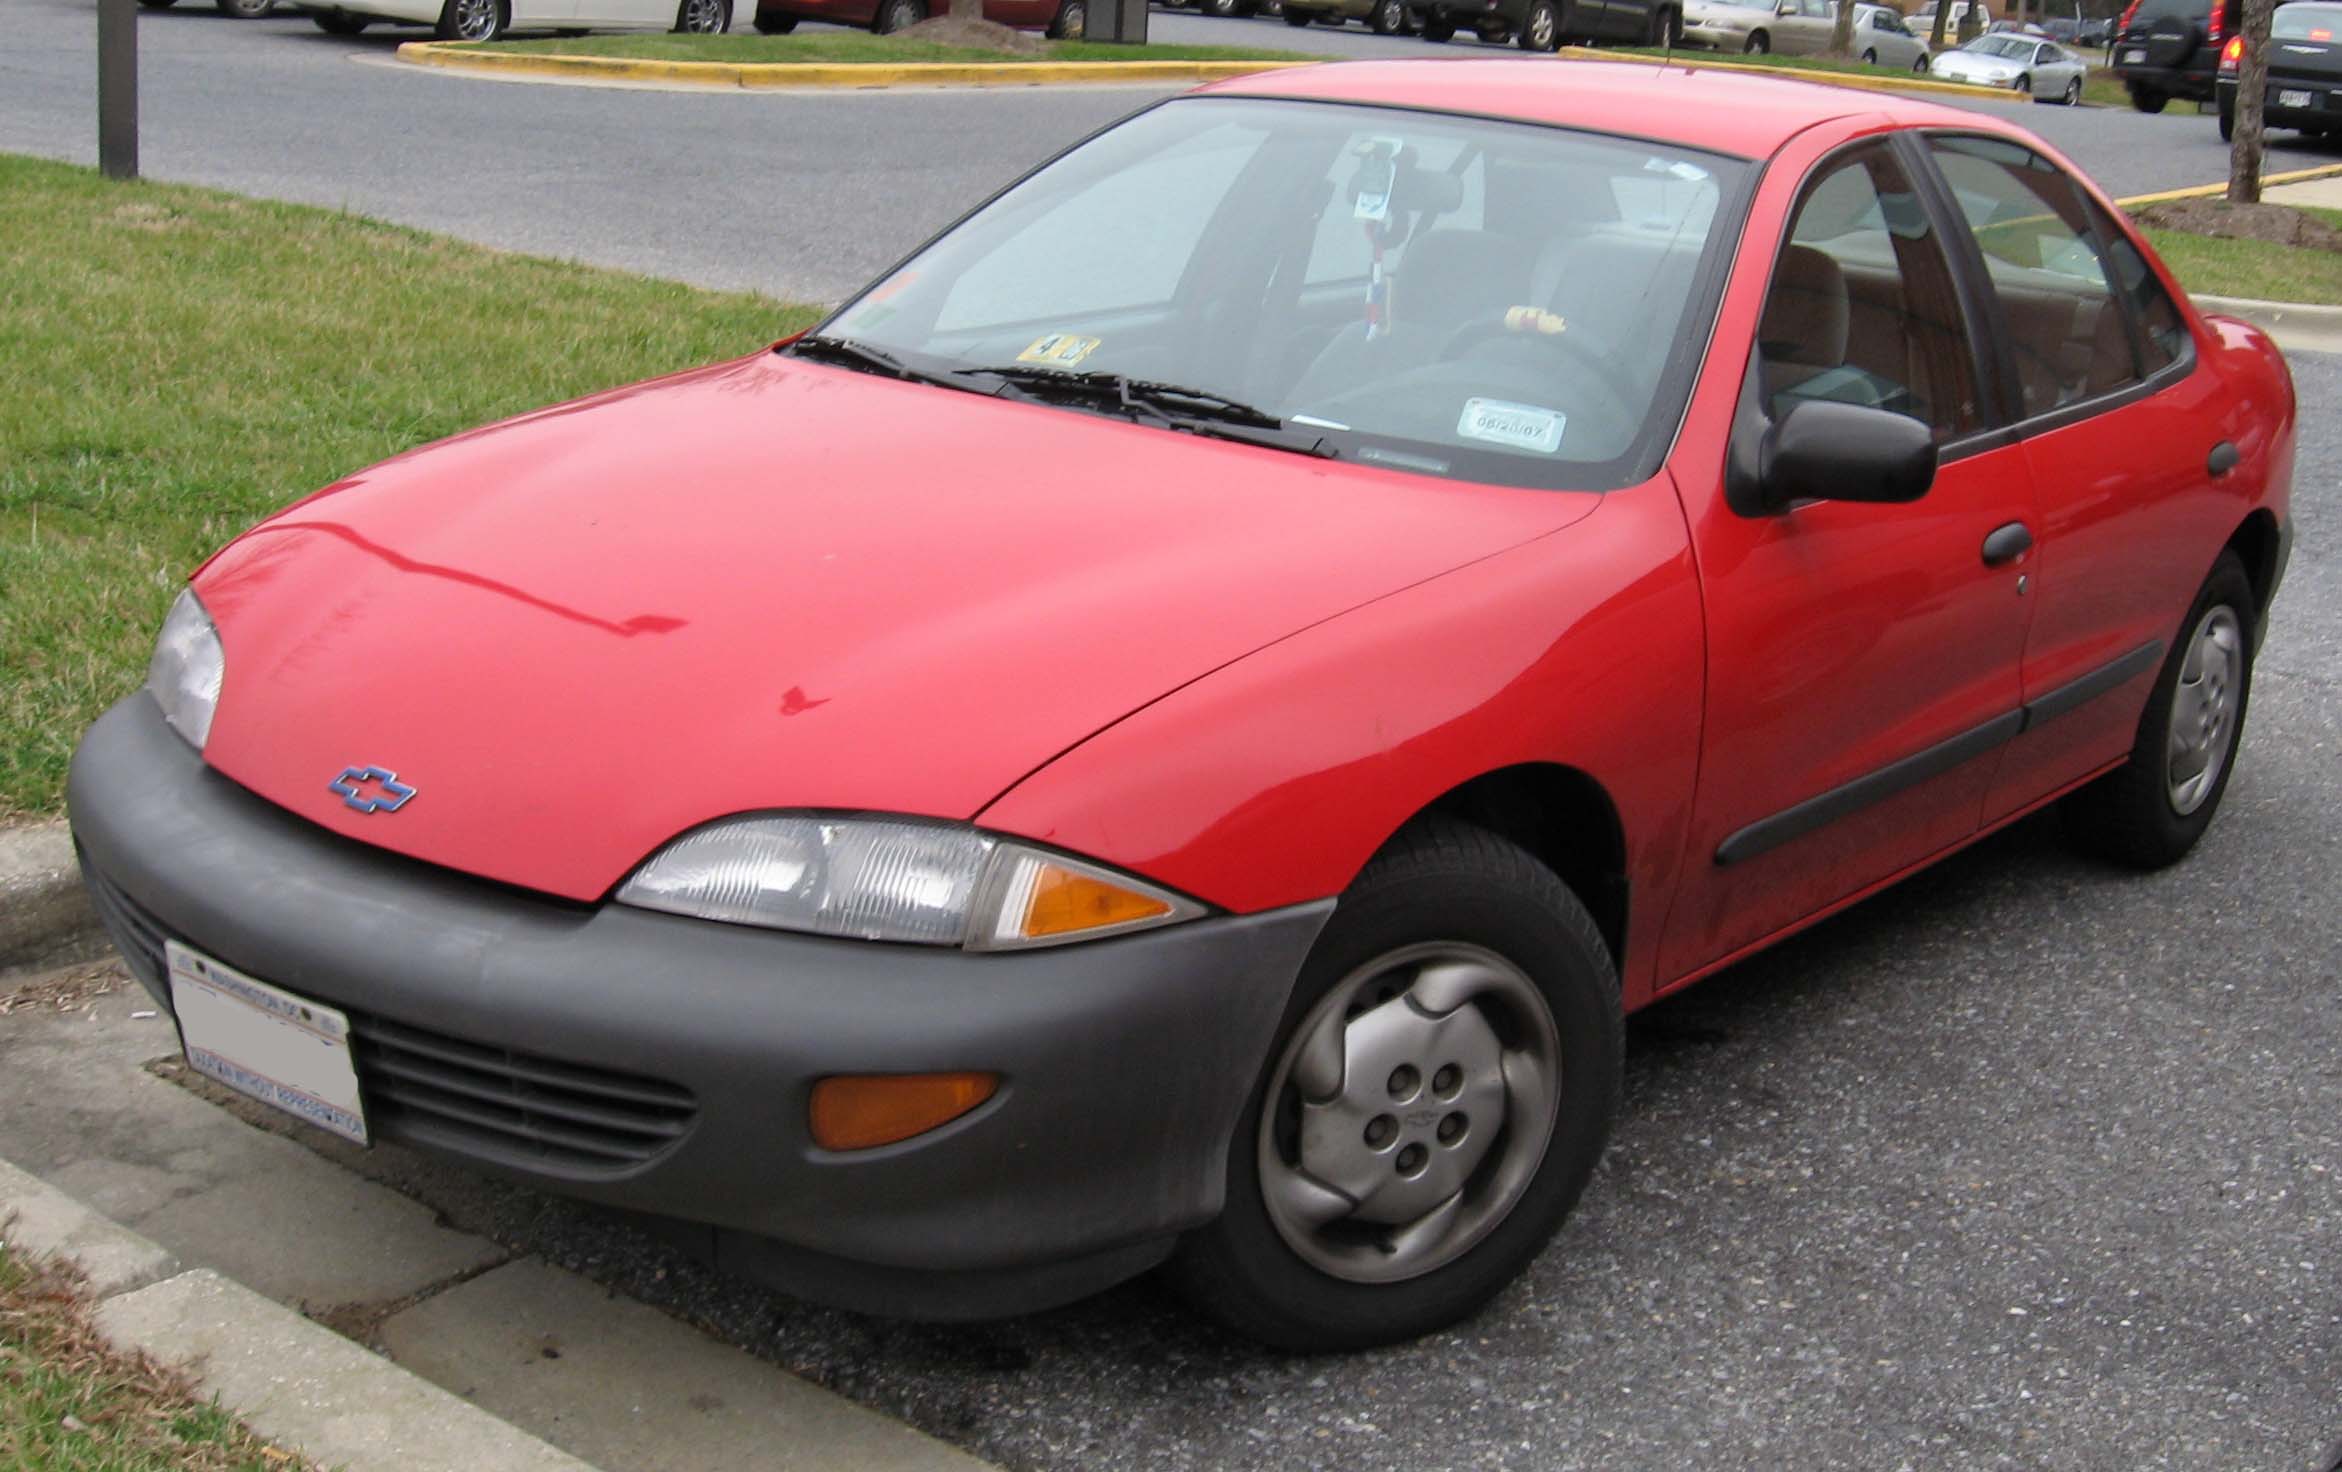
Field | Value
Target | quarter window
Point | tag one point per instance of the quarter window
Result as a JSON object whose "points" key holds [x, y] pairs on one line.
{"points": [[2068, 333], [1861, 309]]}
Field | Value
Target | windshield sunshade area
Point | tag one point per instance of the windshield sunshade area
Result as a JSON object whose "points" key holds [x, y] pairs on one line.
{"points": [[1453, 296], [2306, 23]]}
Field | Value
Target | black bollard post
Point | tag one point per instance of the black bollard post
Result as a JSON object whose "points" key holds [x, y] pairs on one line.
{"points": [[118, 88]]}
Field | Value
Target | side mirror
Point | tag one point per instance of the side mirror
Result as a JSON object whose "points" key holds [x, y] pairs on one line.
{"points": [[1821, 451]]}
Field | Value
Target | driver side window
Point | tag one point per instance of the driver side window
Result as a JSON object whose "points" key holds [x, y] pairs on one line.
{"points": [[1861, 308]]}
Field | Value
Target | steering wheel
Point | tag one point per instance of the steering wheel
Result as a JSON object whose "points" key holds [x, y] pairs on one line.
{"points": [[1593, 363]]}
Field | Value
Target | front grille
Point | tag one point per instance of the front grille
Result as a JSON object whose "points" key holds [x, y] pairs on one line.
{"points": [[433, 1089]]}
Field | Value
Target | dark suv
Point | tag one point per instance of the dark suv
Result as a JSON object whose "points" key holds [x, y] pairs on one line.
{"points": [[1542, 25], [2171, 48]]}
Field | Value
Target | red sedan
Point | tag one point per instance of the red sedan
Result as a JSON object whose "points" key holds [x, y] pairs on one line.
{"points": [[1175, 725]]}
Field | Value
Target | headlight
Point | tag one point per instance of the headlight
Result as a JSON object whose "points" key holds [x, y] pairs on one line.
{"points": [[186, 669], [891, 879]]}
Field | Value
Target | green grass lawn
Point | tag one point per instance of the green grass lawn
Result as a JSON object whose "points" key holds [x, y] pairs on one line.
{"points": [[2253, 268], [2100, 86], [851, 46], [182, 362], [69, 1404]]}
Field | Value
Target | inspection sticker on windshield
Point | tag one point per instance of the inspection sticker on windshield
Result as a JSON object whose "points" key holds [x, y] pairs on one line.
{"points": [[1522, 426], [1059, 350]]}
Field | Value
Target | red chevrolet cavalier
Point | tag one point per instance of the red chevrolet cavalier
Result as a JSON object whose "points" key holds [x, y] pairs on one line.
{"points": [[1176, 724]]}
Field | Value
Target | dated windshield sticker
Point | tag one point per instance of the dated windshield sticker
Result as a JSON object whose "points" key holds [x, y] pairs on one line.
{"points": [[1520, 426], [1059, 350]]}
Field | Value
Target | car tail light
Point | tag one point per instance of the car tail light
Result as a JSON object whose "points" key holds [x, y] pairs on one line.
{"points": [[2232, 55], [2217, 25]]}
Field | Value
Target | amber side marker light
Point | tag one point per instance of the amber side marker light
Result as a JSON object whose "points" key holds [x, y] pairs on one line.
{"points": [[859, 1111], [1065, 901]]}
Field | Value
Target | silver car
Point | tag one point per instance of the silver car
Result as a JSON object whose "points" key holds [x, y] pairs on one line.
{"points": [[1801, 28], [2027, 65]]}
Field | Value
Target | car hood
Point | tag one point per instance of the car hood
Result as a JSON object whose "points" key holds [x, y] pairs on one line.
{"points": [[1974, 65], [773, 584], [1699, 12]]}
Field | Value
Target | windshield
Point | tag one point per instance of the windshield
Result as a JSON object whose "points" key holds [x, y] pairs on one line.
{"points": [[2008, 46], [1453, 296], [2306, 22]]}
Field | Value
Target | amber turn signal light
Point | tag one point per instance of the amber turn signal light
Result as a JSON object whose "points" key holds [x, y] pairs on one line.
{"points": [[858, 1111], [1066, 901]]}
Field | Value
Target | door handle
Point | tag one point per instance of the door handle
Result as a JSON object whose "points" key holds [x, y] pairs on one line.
{"points": [[2007, 543], [2222, 459]]}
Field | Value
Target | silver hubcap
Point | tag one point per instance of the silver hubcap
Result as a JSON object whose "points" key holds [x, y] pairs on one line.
{"points": [[475, 20], [703, 17], [1541, 28], [1409, 1112], [2203, 709]]}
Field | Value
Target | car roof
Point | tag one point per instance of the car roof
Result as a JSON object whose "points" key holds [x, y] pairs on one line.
{"points": [[1718, 111]]}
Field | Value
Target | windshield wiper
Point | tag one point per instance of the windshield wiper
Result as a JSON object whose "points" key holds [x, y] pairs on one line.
{"points": [[1194, 410], [847, 353]]}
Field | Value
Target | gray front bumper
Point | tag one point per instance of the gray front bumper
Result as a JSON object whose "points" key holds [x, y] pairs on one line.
{"points": [[1125, 1062]]}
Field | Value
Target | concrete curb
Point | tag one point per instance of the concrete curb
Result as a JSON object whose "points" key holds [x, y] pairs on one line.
{"points": [[2296, 326], [2206, 191], [1883, 82], [294, 1382], [45, 919], [756, 76]]}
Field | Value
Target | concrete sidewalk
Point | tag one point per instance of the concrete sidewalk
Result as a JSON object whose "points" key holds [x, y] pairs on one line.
{"points": [[201, 1232]]}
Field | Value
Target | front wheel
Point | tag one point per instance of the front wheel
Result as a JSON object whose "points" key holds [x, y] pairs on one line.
{"points": [[1435, 1104], [773, 23], [1072, 20], [2151, 810], [2227, 120], [1298, 18], [245, 9], [2146, 101], [1438, 28], [1388, 18], [2072, 96], [703, 17], [898, 15], [1541, 27], [1919, 64], [1666, 28], [340, 22], [472, 20], [158, 4], [1870, 58], [1757, 44], [2023, 86]]}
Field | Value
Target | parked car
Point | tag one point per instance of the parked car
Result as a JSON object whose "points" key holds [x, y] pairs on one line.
{"points": [[2096, 33], [485, 20], [237, 9], [1544, 25], [1182, 751], [1802, 28], [1383, 17], [2043, 70], [1062, 19], [1922, 20], [2305, 71], [2171, 48]]}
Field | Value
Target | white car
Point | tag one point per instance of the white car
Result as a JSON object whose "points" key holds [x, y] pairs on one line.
{"points": [[2043, 70], [1802, 28], [485, 20]]}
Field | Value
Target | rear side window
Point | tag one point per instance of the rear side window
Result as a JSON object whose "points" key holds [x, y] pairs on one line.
{"points": [[2055, 292], [1861, 309], [2166, 334]]}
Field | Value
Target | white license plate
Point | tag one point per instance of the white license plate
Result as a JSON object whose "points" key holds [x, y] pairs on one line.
{"points": [[260, 1040], [2292, 99], [2134, 55]]}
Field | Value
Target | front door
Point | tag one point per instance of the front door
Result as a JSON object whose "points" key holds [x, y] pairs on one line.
{"points": [[1863, 659]]}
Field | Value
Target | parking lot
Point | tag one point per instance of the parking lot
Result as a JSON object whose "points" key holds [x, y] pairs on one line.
{"points": [[2025, 1164]]}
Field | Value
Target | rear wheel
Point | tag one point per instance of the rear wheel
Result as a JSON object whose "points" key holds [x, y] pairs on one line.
{"points": [[1870, 58], [1439, 1094], [245, 9], [703, 17], [1438, 28], [1298, 17], [2146, 101], [472, 20], [1757, 44], [1073, 18], [2072, 96], [1919, 64], [1666, 28], [2151, 810], [898, 15], [1541, 27], [340, 22], [2227, 119], [1388, 18], [773, 23], [158, 4]]}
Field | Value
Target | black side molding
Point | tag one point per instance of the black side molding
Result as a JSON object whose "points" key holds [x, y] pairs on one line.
{"points": [[1767, 834]]}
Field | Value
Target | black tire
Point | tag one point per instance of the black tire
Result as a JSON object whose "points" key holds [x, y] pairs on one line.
{"points": [[244, 9], [1071, 22], [1666, 28], [1870, 58], [340, 22], [702, 17], [1919, 64], [773, 23], [1388, 18], [1438, 28], [2023, 87], [1439, 881], [2072, 96], [896, 15], [2127, 816], [1223, 8], [158, 4], [472, 20], [2146, 101], [1298, 18], [1757, 44], [1541, 27], [2227, 120]]}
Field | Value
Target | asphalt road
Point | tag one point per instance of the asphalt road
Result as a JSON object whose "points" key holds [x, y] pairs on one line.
{"points": [[801, 195]]}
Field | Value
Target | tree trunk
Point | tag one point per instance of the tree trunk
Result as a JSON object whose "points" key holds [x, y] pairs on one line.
{"points": [[1842, 30], [2252, 86], [1971, 23], [1943, 16]]}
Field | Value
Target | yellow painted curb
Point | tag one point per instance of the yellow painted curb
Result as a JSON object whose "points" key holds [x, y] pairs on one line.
{"points": [[761, 74], [1884, 82], [2206, 191]]}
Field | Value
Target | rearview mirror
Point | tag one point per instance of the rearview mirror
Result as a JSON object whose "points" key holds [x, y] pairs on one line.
{"points": [[1821, 451]]}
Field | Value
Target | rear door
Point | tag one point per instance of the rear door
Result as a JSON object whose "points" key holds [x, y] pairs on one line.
{"points": [[2118, 432], [1862, 659], [2163, 33]]}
